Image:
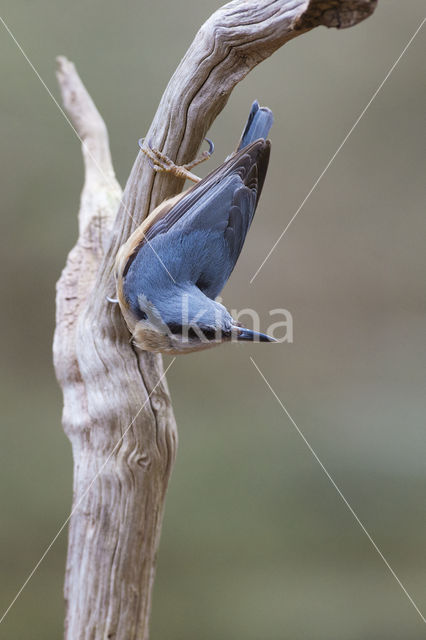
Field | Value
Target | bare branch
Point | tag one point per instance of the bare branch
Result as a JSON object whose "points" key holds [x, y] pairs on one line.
{"points": [[90, 127], [99, 201], [113, 394]]}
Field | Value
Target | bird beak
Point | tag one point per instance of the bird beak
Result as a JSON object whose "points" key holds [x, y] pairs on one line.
{"points": [[242, 333]]}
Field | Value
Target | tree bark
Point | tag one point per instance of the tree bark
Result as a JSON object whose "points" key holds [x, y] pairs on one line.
{"points": [[117, 410]]}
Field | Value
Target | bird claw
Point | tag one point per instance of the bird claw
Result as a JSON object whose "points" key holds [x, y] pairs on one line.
{"points": [[159, 162], [211, 146], [205, 155]]}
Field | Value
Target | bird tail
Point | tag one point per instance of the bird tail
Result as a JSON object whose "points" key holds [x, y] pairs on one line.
{"points": [[259, 122]]}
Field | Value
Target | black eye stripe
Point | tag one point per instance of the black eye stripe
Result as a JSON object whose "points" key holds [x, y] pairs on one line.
{"points": [[207, 332], [174, 327]]}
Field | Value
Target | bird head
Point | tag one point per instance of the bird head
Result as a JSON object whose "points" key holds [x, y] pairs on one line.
{"points": [[186, 321]]}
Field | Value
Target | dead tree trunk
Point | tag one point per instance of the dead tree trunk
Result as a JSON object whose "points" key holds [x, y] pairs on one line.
{"points": [[117, 410]]}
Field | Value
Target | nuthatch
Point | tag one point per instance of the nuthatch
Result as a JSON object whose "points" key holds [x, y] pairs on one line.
{"points": [[178, 260]]}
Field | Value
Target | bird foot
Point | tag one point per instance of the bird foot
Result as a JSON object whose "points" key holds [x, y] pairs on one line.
{"points": [[161, 163]]}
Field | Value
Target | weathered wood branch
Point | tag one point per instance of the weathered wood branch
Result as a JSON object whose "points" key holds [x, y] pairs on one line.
{"points": [[117, 410]]}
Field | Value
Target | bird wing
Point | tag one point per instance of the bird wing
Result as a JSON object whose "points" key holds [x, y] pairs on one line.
{"points": [[217, 212], [250, 164]]}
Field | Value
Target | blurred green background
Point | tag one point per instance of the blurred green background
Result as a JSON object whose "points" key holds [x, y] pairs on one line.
{"points": [[257, 544]]}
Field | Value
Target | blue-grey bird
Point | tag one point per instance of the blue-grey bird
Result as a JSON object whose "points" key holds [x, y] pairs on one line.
{"points": [[179, 259]]}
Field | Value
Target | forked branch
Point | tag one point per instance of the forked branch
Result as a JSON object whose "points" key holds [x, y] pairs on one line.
{"points": [[117, 410]]}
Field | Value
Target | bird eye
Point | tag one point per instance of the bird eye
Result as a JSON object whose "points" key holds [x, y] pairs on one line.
{"points": [[209, 333], [174, 327], [141, 315]]}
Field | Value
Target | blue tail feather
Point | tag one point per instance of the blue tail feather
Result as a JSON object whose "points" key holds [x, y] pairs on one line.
{"points": [[258, 125]]}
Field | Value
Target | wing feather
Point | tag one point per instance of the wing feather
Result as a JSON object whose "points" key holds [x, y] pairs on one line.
{"points": [[206, 227]]}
